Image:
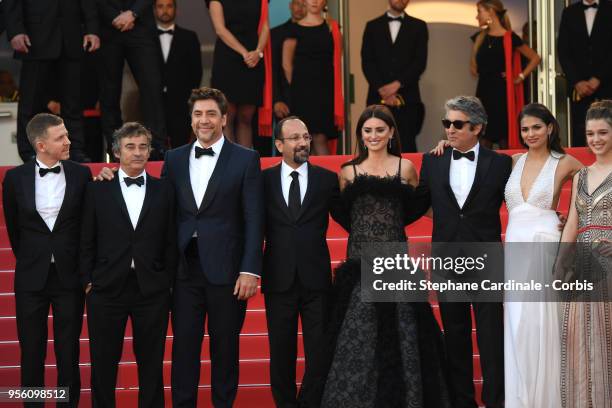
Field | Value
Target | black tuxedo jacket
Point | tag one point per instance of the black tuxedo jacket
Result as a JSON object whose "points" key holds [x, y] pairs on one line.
{"points": [[581, 56], [229, 220], [144, 25], [32, 241], [278, 35], [478, 220], [182, 71], [299, 246], [109, 242], [55, 27], [383, 61]]}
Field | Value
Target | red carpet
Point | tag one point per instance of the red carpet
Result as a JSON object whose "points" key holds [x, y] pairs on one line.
{"points": [[254, 389]]}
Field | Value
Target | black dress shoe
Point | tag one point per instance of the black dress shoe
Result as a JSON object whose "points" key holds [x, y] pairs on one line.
{"points": [[79, 157]]}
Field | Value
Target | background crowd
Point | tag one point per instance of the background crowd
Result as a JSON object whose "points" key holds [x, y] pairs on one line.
{"points": [[73, 56]]}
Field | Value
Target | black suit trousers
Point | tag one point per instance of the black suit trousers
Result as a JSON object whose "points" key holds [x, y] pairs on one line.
{"points": [[282, 311], [193, 302], [143, 59], [409, 120], [35, 93], [106, 319], [457, 322], [32, 310]]}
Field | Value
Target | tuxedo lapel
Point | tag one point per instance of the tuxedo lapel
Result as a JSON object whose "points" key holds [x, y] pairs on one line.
{"points": [[582, 25], [184, 178], [277, 192], [482, 167], [445, 176], [69, 192], [118, 197], [385, 31], [29, 188], [313, 177], [218, 173], [150, 191], [601, 17], [402, 31]]}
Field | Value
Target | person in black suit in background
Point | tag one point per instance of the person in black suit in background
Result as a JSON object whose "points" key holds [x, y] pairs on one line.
{"points": [[278, 35], [128, 34], [585, 35], [220, 216], [297, 274], [127, 263], [465, 188], [393, 57], [181, 64], [42, 208], [50, 35]]}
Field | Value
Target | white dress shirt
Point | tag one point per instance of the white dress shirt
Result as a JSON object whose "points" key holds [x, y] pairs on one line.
{"points": [[589, 15], [461, 175], [165, 40], [133, 196], [201, 169], [49, 194], [394, 26], [286, 180]]}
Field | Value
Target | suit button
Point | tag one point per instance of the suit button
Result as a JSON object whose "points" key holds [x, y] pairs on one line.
{"points": [[461, 216]]}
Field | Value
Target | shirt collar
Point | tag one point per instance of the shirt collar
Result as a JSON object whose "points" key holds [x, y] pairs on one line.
{"points": [[392, 16], [217, 146], [165, 28], [123, 174], [286, 170], [44, 166]]}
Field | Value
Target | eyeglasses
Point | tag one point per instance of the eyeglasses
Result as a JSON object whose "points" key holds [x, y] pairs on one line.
{"points": [[294, 139], [458, 124]]}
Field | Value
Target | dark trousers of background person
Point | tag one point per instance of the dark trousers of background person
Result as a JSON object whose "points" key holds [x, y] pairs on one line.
{"points": [[34, 85], [457, 322], [32, 310], [178, 121], [282, 310], [409, 120], [194, 300], [106, 320], [143, 59]]}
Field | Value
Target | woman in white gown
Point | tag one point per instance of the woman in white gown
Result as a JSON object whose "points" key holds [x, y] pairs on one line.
{"points": [[531, 329]]}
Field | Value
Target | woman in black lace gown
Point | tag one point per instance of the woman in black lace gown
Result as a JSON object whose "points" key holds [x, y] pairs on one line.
{"points": [[376, 354]]}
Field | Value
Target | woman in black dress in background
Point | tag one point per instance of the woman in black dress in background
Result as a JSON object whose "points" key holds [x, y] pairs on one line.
{"points": [[238, 68], [489, 65], [308, 64]]}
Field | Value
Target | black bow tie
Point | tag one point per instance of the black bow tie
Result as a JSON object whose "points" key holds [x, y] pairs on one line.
{"points": [[160, 31], [398, 18], [139, 181], [588, 6], [43, 172], [207, 151], [468, 155]]}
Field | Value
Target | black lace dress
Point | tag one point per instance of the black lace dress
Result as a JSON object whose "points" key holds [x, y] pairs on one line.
{"points": [[376, 354]]}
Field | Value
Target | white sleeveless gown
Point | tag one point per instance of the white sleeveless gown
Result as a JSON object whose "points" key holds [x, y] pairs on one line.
{"points": [[531, 329]]}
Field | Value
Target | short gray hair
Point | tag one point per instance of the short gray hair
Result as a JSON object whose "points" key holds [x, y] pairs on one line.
{"points": [[130, 129], [471, 107]]}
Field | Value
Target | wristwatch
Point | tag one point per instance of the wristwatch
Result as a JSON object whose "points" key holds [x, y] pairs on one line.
{"points": [[260, 54]]}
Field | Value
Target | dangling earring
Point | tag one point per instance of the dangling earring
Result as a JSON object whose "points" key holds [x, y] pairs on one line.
{"points": [[389, 143]]}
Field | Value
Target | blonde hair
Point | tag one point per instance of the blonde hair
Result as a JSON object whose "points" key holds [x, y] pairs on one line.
{"points": [[498, 7]]}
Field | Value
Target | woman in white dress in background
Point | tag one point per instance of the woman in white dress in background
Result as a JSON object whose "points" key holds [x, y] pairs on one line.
{"points": [[532, 329]]}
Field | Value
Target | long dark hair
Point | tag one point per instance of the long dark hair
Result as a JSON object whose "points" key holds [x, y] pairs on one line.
{"points": [[379, 112], [537, 110]]}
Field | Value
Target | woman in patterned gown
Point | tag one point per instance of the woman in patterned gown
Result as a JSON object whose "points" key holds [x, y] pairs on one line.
{"points": [[376, 354], [586, 341]]}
